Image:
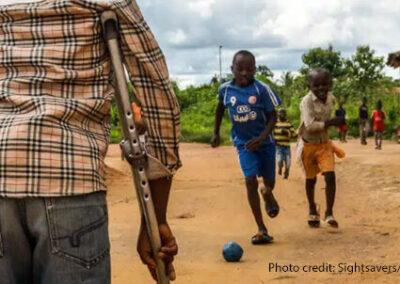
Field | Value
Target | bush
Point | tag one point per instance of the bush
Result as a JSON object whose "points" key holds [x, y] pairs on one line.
{"points": [[198, 105]]}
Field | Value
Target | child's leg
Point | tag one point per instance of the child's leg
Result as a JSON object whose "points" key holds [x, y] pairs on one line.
{"points": [[310, 157], [380, 139], [267, 171], [363, 132], [280, 165], [326, 163], [283, 161], [310, 189], [313, 219], [284, 158], [330, 180], [287, 162], [249, 164], [254, 201], [344, 136], [267, 189], [279, 155], [376, 138], [271, 205]]}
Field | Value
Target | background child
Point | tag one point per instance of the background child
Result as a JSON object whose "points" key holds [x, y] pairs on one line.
{"points": [[251, 105], [363, 121], [378, 118], [341, 112], [317, 154], [283, 132]]}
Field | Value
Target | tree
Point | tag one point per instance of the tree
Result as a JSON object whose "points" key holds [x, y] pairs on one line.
{"points": [[214, 80], [325, 58], [365, 69], [287, 79], [175, 86], [263, 70], [284, 86], [343, 89]]}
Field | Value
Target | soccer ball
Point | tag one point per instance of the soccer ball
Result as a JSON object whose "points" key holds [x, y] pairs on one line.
{"points": [[232, 252]]}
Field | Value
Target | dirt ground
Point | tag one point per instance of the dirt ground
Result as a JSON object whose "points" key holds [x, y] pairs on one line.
{"points": [[208, 208]]}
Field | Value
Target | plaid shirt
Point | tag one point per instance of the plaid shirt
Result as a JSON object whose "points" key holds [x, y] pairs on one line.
{"points": [[56, 92]]}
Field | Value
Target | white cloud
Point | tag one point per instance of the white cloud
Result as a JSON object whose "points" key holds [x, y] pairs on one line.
{"points": [[176, 37], [203, 7], [278, 32]]}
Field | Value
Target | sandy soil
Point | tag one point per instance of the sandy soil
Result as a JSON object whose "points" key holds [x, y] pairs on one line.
{"points": [[208, 207]]}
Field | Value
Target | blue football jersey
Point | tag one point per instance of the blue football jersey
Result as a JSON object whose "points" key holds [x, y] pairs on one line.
{"points": [[249, 109]]}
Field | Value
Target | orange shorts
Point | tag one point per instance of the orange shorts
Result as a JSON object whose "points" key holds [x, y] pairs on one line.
{"points": [[318, 158]]}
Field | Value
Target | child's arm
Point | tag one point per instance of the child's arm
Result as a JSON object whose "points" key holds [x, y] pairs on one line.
{"points": [[308, 118], [336, 121], [254, 143], [219, 114], [310, 121], [271, 100], [292, 131]]}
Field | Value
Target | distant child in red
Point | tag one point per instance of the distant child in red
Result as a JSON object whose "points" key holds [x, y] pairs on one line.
{"points": [[378, 118]]}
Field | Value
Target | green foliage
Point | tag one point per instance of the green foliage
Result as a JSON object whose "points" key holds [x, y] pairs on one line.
{"points": [[325, 58], [353, 78], [263, 70], [343, 89], [116, 135], [198, 106], [116, 131], [365, 70]]}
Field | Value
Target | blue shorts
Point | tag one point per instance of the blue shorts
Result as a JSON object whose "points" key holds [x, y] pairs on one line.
{"points": [[258, 163]]}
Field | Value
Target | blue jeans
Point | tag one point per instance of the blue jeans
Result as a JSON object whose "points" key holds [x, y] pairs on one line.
{"points": [[283, 155], [60, 240]]}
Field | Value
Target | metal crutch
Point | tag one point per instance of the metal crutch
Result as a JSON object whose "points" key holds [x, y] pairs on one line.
{"points": [[132, 148]]}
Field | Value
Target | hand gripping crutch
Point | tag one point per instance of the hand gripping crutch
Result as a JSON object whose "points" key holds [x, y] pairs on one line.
{"points": [[132, 148]]}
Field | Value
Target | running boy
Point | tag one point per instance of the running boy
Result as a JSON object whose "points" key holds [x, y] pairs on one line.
{"points": [[317, 155], [251, 106], [283, 132], [378, 118]]}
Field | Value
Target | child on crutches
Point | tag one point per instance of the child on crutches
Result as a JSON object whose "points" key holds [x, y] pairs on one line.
{"points": [[158, 254]]}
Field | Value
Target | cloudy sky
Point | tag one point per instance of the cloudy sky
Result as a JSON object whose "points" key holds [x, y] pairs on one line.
{"points": [[277, 32]]}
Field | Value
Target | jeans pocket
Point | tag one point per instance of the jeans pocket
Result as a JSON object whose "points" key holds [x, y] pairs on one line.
{"points": [[78, 228]]}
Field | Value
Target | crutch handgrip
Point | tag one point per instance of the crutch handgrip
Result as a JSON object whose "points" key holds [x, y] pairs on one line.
{"points": [[109, 21]]}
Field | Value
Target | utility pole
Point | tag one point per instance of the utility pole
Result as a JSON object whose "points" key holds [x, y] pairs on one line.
{"points": [[220, 64]]}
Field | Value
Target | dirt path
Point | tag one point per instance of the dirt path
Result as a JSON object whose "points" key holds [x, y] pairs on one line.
{"points": [[208, 208]]}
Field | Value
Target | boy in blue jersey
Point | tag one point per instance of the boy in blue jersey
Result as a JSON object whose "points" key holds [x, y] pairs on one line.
{"points": [[251, 106]]}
